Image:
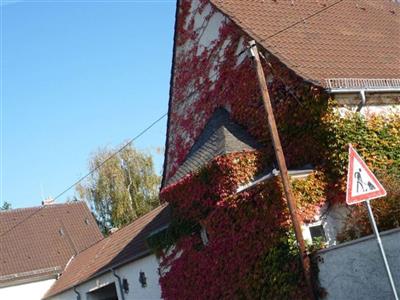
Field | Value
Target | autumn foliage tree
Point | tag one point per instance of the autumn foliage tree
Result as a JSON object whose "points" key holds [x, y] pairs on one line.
{"points": [[122, 189]]}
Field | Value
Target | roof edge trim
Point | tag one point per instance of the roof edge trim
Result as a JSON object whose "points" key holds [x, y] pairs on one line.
{"points": [[171, 89], [368, 84]]}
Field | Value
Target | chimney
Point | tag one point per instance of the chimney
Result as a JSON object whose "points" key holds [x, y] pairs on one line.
{"points": [[113, 230], [48, 201]]}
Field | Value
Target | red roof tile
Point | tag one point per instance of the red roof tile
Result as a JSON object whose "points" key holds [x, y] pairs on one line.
{"points": [[125, 245], [322, 39], [39, 241]]}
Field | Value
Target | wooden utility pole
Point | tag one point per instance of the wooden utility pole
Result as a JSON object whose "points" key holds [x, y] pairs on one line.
{"points": [[305, 259]]}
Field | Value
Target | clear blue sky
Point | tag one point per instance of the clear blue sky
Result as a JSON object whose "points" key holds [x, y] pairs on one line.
{"points": [[78, 76]]}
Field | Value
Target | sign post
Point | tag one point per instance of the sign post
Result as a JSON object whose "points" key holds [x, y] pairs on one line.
{"points": [[362, 185]]}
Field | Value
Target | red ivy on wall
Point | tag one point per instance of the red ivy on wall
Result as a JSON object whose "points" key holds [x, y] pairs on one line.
{"points": [[241, 228], [247, 231], [250, 254], [206, 78]]}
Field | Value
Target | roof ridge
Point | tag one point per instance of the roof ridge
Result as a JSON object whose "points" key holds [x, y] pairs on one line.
{"points": [[13, 210], [39, 209]]}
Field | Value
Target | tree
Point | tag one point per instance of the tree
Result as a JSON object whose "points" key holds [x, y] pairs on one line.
{"points": [[6, 206], [122, 189]]}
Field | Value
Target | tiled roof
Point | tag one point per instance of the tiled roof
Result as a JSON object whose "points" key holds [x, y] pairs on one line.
{"points": [[220, 136], [123, 246], [39, 241], [323, 39]]}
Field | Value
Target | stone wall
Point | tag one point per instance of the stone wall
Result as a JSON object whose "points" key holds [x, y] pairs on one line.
{"points": [[355, 270]]}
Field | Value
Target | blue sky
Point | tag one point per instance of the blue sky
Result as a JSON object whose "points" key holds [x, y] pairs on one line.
{"points": [[78, 76]]}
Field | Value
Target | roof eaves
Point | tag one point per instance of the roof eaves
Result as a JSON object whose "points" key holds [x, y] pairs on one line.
{"points": [[31, 276], [103, 270]]}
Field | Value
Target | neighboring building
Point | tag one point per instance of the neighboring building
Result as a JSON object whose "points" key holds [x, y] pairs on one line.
{"points": [[37, 243], [120, 266], [312, 51]]}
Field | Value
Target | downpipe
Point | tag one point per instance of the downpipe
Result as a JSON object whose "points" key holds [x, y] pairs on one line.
{"points": [[119, 284]]}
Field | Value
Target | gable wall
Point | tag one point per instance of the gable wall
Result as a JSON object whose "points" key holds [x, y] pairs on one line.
{"points": [[130, 271], [209, 72], [32, 290]]}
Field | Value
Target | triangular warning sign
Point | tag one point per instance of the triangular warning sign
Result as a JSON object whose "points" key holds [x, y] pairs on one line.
{"points": [[362, 184]]}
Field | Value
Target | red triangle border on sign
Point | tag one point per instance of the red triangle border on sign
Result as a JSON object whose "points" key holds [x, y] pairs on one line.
{"points": [[360, 198]]}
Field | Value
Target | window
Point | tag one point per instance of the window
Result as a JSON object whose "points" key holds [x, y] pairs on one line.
{"points": [[317, 232]]}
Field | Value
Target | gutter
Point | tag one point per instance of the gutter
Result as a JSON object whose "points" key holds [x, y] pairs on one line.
{"points": [[30, 276], [119, 283], [358, 90]]}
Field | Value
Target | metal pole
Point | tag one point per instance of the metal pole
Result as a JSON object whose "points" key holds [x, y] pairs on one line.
{"points": [[305, 259], [378, 239]]}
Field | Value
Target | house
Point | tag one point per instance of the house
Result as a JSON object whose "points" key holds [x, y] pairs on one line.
{"points": [[121, 266], [333, 73], [37, 243]]}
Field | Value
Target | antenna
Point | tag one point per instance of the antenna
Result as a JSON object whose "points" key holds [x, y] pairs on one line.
{"points": [[42, 192]]}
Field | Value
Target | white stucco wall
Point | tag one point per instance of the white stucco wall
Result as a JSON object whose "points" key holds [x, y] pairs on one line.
{"points": [[332, 221], [207, 26], [29, 291], [376, 103], [371, 109], [148, 264]]}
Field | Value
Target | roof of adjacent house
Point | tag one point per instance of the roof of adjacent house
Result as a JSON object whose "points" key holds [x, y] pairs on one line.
{"points": [[324, 39], [38, 242], [124, 246], [220, 136]]}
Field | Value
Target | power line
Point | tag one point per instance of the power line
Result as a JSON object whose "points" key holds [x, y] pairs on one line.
{"points": [[111, 156], [165, 114], [263, 40], [301, 21], [191, 93], [101, 164], [274, 73], [91, 172]]}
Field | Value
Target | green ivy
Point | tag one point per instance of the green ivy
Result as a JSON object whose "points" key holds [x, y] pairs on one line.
{"points": [[376, 138], [281, 272]]}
